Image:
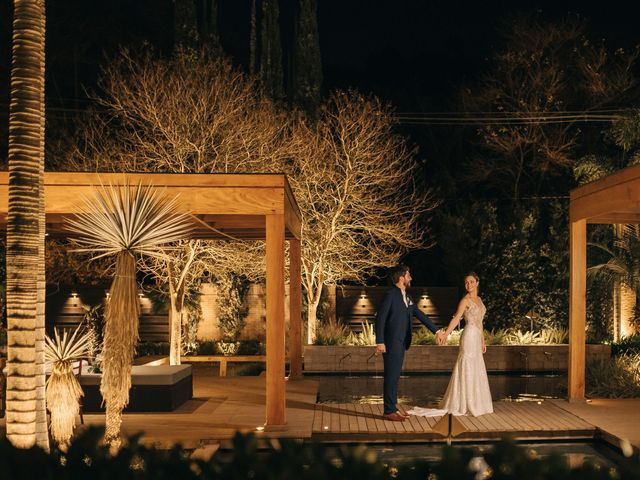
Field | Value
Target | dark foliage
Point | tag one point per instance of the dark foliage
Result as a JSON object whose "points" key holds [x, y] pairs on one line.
{"points": [[289, 460]]}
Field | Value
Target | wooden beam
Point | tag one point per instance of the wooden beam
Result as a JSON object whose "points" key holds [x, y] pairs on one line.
{"points": [[577, 308], [618, 198], [616, 218], [295, 309], [251, 180], [275, 293], [227, 200]]}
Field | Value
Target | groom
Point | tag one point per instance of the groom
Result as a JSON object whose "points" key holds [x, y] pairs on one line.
{"points": [[393, 335]]}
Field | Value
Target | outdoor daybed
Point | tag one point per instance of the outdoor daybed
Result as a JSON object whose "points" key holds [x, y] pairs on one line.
{"points": [[154, 388]]}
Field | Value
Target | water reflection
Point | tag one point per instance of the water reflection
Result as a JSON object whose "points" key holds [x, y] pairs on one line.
{"points": [[575, 454], [427, 390]]}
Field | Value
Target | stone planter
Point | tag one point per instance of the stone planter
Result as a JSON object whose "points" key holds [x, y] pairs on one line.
{"points": [[432, 358]]}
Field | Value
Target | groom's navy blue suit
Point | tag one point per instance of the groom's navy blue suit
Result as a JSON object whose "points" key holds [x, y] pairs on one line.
{"points": [[393, 328]]}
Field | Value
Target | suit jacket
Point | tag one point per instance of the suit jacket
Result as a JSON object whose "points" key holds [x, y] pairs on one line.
{"points": [[393, 321]]}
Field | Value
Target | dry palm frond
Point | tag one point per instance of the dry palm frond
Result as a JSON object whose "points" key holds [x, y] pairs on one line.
{"points": [[63, 390], [136, 219], [125, 221]]}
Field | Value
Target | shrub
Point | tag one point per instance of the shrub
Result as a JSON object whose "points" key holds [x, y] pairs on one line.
{"points": [[251, 347], [152, 348], [288, 459], [207, 347], [331, 333], [498, 336], [423, 337], [553, 336], [364, 338], [617, 377], [626, 345]]}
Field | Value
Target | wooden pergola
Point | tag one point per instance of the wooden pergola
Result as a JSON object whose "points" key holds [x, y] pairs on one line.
{"points": [[243, 206], [611, 200]]}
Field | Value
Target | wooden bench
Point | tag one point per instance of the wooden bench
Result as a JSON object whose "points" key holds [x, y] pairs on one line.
{"points": [[223, 360]]}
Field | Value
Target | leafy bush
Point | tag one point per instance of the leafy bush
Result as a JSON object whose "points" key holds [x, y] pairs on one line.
{"points": [[251, 347], [152, 348], [554, 336], [499, 336], [423, 337], [626, 345], [207, 347], [288, 459], [617, 377]]}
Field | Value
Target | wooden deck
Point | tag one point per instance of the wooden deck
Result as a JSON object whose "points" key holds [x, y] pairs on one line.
{"points": [[522, 420], [223, 405]]}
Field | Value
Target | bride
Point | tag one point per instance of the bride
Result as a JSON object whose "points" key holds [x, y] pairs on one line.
{"points": [[468, 391]]}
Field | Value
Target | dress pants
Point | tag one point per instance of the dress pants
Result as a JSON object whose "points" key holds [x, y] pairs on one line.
{"points": [[393, 359]]}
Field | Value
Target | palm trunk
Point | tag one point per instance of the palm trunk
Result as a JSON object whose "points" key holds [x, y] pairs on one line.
{"points": [[42, 431], [23, 227], [627, 310], [120, 338]]}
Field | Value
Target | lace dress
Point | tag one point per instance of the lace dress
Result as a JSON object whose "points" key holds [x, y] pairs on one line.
{"points": [[468, 391]]}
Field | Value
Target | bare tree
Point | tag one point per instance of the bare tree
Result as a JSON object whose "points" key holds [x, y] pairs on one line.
{"points": [[188, 114], [183, 267], [193, 113], [544, 82], [355, 180]]}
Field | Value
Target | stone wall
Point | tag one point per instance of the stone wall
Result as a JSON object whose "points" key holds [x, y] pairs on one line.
{"points": [[208, 328], [432, 358]]}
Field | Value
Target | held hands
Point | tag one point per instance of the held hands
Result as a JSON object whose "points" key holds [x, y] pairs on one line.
{"points": [[441, 337]]}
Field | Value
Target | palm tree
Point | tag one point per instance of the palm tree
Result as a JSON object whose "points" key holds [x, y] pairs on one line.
{"points": [[26, 419], [124, 222], [622, 271]]}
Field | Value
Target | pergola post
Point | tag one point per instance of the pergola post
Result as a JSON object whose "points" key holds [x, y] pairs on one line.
{"points": [[577, 308], [275, 388], [295, 310]]}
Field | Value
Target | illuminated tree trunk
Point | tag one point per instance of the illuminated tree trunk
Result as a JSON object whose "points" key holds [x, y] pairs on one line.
{"points": [[25, 237], [175, 324]]}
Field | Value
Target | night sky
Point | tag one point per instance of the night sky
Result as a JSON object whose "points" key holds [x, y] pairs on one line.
{"points": [[412, 53]]}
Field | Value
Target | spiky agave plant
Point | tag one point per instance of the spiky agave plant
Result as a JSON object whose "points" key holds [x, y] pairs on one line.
{"points": [[63, 390], [125, 222]]}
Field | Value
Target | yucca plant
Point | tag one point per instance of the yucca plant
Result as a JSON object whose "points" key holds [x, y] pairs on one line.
{"points": [[125, 222], [63, 390], [331, 333]]}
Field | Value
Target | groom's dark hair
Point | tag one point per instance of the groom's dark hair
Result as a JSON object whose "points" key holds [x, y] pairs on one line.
{"points": [[396, 272]]}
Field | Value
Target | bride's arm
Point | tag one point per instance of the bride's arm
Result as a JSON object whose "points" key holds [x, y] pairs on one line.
{"points": [[457, 316]]}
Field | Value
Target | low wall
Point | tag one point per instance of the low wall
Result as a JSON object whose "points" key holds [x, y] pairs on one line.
{"points": [[432, 358]]}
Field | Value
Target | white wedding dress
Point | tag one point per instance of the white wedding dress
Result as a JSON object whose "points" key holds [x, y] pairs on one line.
{"points": [[468, 391]]}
